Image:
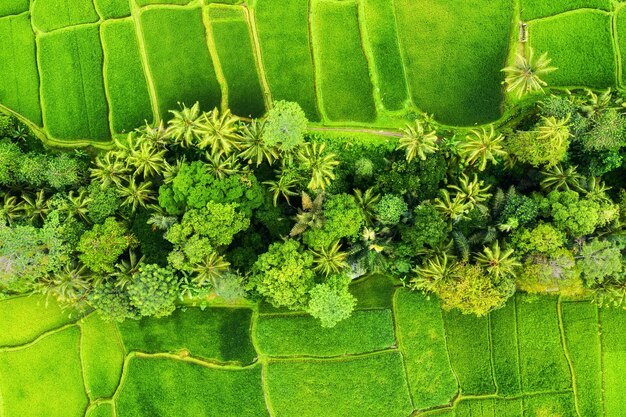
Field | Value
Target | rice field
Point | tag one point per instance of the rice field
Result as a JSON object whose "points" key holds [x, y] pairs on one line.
{"points": [[361, 63], [536, 357]]}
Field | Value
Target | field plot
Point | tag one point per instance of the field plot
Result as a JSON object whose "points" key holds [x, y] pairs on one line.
{"points": [[490, 407], [9, 7], [25, 318], [70, 62], [613, 323], [49, 15], [283, 27], [179, 59], [125, 81], [344, 84], [19, 80], [365, 386], [101, 410], [543, 363], [102, 356], [165, 387], [532, 9], [470, 355], [561, 405], [36, 381], [620, 32], [580, 46], [374, 291], [225, 334], [142, 3], [232, 40], [364, 331], [580, 323], [453, 54], [422, 341], [382, 40], [504, 350], [112, 9]]}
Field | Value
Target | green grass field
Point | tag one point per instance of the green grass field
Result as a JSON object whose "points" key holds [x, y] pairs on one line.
{"points": [[181, 365], [112, 9], [9, 7], [344, 84], [127, 89], [233, 42], [49, 15], [532, 9], [19, 80]]}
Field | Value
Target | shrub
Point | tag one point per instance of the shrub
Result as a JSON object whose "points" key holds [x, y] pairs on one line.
{"points": [[390, 209]]}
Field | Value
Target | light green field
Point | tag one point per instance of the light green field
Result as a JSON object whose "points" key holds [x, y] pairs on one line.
{"points": [[112, 9], [49, 15], [532, 9], [9, 7], [504, 350]]}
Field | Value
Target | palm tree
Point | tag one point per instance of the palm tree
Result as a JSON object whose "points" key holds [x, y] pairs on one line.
{"points": [[171, 170], [126, 269], [453, 208], [330, 260], [134, 194], [77, 205], [184, 127], [557, 178], [596, 189], [210, 269], [311, 215], [472, 191], [109, 170], [254, 148], [554, 130], [35, 207], [284, 185], [159, 220], [481, 147], [69, 286], [11, 210], [437, 269], [525, 75], [417, 142], [220, 132], [222, 166], [320, 165], [367, 203], [497, 262], [124, 149], [156, 135], [147, 159]]}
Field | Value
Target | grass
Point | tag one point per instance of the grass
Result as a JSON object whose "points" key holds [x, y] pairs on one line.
{"points": [[25, 318], [371, 385], [112, 9], [468, 344], [37, 381], [373, 291], [614, 360], [101, 410], [165, 387], [557, 405], [142, 3], [225, 334], [9, 7], [364, 331], [344, 84], [543, 363], [102, 355], [453, 61], [532, 9], [236, 55], [19, 80], [126, 84], [382, 40], [505, 350], [49, 15], [489, 407], [580, 322], [580, 46], [283, 26], [620, 31], [179, 58], [72, 90], [421, 338]]}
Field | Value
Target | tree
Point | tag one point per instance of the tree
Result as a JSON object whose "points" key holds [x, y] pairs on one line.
{"points": [[561, 179], [367, 202], [330, 260], [283, 275], [321, 166], [219, 132], [599, 261], [184, 126], [284, 185], [77, 206], [330, 305], [63, 171], [344, 220], [102, 202], [134, 193], [153, 291], [497, 262], [390, 209], [253, 148], [428, 229], [112, 302], [472, 191], [310, 216], [35, 207], [455, 208], [554, 130], [482, 146], [524, 76], [103, 244], [109, 170], [546, 145], [147, 159], [285, 124], [416, 142], [70, 285]]}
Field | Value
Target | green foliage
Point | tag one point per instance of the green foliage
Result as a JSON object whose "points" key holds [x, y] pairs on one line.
{"points": [[103, 244], [544, 238], [330, 305], [103, 202], [364, 167], [418, 179], [530, 149], [608, 132], [153, 291], [390, 208], [578, 217], [283, 275], [344, 219], [285, 124], [599, 260], [112, 302]]}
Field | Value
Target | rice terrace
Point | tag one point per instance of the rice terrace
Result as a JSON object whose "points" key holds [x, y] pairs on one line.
{"points": [[312, 208]]}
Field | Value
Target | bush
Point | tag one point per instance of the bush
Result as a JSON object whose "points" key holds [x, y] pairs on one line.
{"points": [[390, 208], [153, 291]]}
